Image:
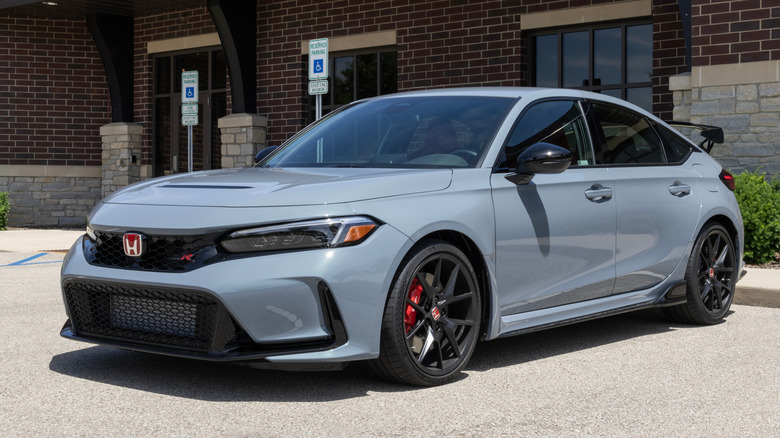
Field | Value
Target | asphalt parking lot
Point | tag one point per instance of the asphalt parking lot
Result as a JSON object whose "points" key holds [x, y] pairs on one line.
{"points": [[631, 375]]}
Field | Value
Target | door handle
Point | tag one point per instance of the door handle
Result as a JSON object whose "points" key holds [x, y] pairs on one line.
{"points": [[598, 193], [679, 189]]}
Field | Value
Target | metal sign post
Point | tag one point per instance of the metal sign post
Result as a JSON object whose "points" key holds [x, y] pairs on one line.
{"points": [[318, 88], [318, 72], [189, 108], [189, 148]]}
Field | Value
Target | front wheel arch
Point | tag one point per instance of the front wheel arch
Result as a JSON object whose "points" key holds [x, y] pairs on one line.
{"points": [[477, 260]]}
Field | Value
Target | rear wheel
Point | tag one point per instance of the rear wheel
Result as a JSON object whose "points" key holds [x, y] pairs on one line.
{"points": [[711, 278], [431, 321]]}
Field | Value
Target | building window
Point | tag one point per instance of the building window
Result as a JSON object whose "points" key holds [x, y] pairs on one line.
{"points": [[357, 76], [612, 59]]}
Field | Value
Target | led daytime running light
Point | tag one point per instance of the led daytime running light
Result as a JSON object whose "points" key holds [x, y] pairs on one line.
{"points": [[325, 233]]}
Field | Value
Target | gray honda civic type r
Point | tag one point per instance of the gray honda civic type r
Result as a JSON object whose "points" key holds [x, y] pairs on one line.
{"points": [[400, 230]]}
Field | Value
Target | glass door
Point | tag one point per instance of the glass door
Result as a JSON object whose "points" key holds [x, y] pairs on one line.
{"points": [[170, 137]]}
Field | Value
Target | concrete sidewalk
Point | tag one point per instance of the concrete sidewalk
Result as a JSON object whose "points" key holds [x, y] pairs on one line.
{"points": [[759, 287], [33, 240]]}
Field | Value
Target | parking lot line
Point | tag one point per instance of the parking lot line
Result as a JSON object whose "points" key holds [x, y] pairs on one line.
{"points": [[25, 262]]}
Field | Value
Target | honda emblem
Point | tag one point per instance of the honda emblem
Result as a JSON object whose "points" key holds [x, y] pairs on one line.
{"points": [[134, 244]]}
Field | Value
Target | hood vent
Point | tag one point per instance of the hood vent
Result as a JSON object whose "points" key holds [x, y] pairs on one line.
{"points": [[202, 186]]}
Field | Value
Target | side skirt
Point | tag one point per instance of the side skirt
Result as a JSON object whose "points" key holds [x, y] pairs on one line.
{"points": [[673, 296]]}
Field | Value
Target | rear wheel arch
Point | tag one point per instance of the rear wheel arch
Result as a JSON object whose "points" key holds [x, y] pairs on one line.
{"points": [[711, 274], [728, 224]]}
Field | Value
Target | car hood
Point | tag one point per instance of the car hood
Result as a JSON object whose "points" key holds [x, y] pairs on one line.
{"points": [[267, 187]]}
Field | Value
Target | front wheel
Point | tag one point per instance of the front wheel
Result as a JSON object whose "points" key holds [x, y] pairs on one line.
{"points": [[432, 317], [711, 278]]}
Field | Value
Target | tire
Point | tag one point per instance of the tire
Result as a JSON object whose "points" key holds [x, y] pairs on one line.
{"points": [[432, 317], [711, 278]]}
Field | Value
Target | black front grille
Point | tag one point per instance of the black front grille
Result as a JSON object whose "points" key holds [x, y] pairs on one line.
{"points": [[163, 253], [151, 316]]}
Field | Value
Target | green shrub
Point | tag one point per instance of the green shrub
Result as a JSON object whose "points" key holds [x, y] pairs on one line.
{"points": [[775, 183], [759, 202], [4, 207]]}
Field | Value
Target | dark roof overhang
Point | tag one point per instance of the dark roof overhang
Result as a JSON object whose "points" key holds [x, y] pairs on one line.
{"points": [[111, 26], [79, 9]]}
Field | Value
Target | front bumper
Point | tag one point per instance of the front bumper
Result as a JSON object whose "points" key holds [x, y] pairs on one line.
{"points": [[179, 322], [297, 307]]}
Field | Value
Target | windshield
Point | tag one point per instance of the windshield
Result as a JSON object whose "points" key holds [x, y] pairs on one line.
{"points": [[412, 131]]}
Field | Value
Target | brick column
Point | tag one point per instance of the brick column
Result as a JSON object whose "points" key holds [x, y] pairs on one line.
{"points": [[243, 135], [121, 155]]}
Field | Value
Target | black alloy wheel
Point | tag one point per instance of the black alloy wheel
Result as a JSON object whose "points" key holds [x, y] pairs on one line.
{"points": [[711, 278], [432, 318]]}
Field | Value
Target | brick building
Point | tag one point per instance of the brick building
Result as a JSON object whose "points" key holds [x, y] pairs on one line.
{"points": [[90, 92]]}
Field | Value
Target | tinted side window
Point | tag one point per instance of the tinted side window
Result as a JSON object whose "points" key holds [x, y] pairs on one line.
{"points": [[677, 149], [626, 137], [558, 122]]}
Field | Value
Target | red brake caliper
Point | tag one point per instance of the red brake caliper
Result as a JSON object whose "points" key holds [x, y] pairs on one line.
{"points": [[410, 315]]}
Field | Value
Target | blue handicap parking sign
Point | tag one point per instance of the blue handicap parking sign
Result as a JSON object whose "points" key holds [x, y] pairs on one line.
{"points": [[190, 92], [318, 65]]}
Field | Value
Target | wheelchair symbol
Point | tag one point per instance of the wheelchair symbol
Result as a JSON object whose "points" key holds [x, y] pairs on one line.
{"points": [[190, 92], [318, 65]]}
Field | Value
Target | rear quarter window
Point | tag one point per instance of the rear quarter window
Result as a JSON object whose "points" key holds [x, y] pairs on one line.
{"points": [[677, 148]]}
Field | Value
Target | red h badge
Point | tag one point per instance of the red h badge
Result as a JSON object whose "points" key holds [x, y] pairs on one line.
{"points": [[134, 244]]}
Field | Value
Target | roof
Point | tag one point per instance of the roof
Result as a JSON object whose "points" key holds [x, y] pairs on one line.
{"points": [[513, 92]]}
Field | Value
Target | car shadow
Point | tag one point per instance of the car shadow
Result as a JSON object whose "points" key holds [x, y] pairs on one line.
{"points": [[219, 382], [209, 381], [567, 339], [529, 195]]}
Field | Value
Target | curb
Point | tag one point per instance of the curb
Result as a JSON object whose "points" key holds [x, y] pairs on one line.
{"points": [[757, 296]]}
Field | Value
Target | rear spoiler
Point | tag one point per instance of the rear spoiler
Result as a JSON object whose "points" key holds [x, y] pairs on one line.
{"points": [[711, 134]]}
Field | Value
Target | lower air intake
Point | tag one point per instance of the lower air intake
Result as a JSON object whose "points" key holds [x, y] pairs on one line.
{"points": [[153, 316]]}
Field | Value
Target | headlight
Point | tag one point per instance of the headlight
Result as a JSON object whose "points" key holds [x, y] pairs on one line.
{"points": [[324, 233]]}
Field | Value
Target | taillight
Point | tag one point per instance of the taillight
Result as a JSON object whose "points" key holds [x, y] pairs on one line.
{"points": [[727, 179]]}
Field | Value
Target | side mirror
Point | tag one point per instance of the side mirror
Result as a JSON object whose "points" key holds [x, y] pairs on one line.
{"points": [[260, 156], [540, 158]]}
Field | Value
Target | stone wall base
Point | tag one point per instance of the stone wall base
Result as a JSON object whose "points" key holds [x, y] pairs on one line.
{"points": [[44, 201], [748, 112]]}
